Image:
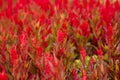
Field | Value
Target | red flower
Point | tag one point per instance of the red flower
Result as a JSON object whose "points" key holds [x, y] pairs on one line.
{"points": [[42, 19], [99, 51], [83, 52], [40, 51], [61, 51], [84, 75], [14, 55], [24, 2], [95, 40], [10, 3], [117, 5], [3, 75], [76, 5], [22, 39], [92, 4], [85, 30], [74, 75], [48, 71], [48, 66], [92, 61], [61, 35], [34, 41], [107, 12], [2, 14], [74, 20], [109, 34], [1, 3], [64, 27], [29, 30], [9, 12], [61, 4], [44, 4]]}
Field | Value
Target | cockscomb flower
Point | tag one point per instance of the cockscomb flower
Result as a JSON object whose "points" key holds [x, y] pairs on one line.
{"points": [[14, 55], [84, 29], [61, 35], [76, 5], [29, 30], [9, 9], [9, 12], [22, 39], [95, 40], [48, 71], [117, 5], [84, 75], [99, 51], [44, 4], [61, 51], [53, 67], [40, 51], [75, 75], [24, 2], [10, 3], [83, 52], [61, 4], [92, 61], [3, 43], [74, 20], [1, 3], [107, 12], [42, 19], [34, 41], [64, 26], [109, 34], [92, 4], [2, 14], [3, 75]]}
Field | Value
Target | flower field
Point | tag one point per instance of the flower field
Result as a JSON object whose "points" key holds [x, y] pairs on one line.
{"points": [[59, 39]]}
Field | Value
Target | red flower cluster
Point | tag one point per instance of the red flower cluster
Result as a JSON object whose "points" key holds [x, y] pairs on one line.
{"points": [[84, 29], [3, 75], [61, 35], [59, 39], [83, 52], [14, 55]]}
